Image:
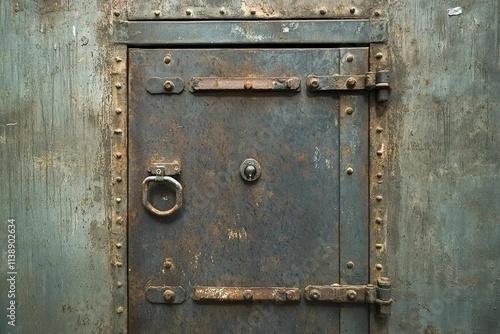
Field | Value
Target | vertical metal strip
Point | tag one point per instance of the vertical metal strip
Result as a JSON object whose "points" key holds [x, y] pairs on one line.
{"points": [[378, 183], [354, 213], [118, 133]]}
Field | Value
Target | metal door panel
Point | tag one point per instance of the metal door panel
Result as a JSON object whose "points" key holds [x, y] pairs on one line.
{"points": [[279, 231]]}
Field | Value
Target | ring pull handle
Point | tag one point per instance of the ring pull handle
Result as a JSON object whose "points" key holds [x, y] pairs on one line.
{"points": [[161, 171]]}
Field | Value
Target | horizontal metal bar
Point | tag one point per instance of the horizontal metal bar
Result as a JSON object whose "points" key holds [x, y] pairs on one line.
{"points": [[142, 33], [199, 84], [336, 82], [341, 293], [165, 294], [239, 294], [164, 85]]}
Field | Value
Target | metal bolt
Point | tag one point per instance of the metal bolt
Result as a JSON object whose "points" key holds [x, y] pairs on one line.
{"points": [[118, 155], [120, 310], [118, 131], [118, 111], [380, 152], [349, 170], [248, 85], [168, 295], [350, 264], [378, 246], [118, 264], [349, 58], [248, 294], [378, 220], [118, 245], [351, 294], [380, 129], [250, 171], [351, 82], [349, 110], [322, 11], [167, 60], [379, 55], [157, 13], [379, 198], [290, 295], [314, 294], [118, 179], [292, 83], [379, 175], [118, 200], [314, 83], [116, 13], [168, 85], [222, 11], [378, 266], [167, 264], [118, 85], [119, 284], [253, 11], [118, 59], [377, 13], [352, 10], [188, 12]]}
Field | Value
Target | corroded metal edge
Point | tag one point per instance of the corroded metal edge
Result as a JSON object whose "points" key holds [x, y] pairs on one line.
{"points": [[379, 145], [118, 197]]}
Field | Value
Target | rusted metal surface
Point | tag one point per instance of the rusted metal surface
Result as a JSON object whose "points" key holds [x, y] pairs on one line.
{"points": [[143, 33], [165, 294], [238, 294], [200, 84], [281, 230], [248, 9]]}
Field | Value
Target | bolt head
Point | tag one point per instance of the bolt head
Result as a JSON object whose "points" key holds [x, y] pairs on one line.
{"points": [[167, 59], [351, 82], [248, 294], [350, 264], [248, 85], [349, 58], [313, 83], [351, 294], [168, 85], [349, 170], [314, 294], [322, 11], [378, 266], [168, 295], [167, 264], [379, 55]]}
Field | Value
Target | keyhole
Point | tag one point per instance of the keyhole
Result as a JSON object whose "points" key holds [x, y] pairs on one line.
{"points": [[250, 171]]}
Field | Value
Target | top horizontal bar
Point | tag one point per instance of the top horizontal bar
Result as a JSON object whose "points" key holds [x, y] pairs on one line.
{"points": [[147, 33]]}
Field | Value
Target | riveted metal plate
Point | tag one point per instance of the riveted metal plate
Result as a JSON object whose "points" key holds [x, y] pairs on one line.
{"points": [[283, 230]]}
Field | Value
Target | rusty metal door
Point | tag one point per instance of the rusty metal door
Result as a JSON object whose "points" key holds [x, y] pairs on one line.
{"points": [[248, 190]]}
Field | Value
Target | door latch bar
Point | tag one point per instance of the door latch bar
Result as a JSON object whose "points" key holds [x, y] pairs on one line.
{"points": [[371, 294], [200, 84], [241, 294]]}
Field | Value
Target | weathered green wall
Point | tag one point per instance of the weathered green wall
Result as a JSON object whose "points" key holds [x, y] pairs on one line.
{"points": [[54, 149], [444, 231], [444, 198]]}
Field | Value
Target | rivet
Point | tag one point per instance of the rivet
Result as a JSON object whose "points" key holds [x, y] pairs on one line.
{"points": [[120, 310], [118, 131], [352, 10], [118, 200], [189, 12], [119, 284], [247, 294], [322, 11], [118, 155], [351, 82], [290, 294], [118, 85], [314, 294], [118, 179], [378, 246], [351, 294], [349, 170], [349, 58], [380, 129], [378, 266], [118, 59], [118, 111], [118, 264], [349, 110], [116, 13], [167, 60], [350, 264], [377, 13], [248, 85], [380, 152], [378, 198], [119, 220], [222, 11], [157, 13], [253, 11], [379, 175], [313, 83], [167, 264], [168, 295], [168, 85], [379, 55], [378, 220], [118, 245]]}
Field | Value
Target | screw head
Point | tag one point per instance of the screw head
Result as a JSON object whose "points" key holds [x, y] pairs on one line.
{"points": [[349, 58], [351, 294], [168, 85], [168, 295], [350, 264], [314, 294], [351, 82], [349, 170], [248, 294]]}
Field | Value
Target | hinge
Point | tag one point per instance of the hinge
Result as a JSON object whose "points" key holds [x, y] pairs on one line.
{"points": [[378, 81], [371, 294]]}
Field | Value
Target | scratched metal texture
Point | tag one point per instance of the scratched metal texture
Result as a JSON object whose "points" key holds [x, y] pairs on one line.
{"points": [[281, 230], [54, 149], [443, 167]]}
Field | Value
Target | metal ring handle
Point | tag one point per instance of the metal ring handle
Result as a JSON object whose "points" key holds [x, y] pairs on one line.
{"points": [[145, 194]]}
